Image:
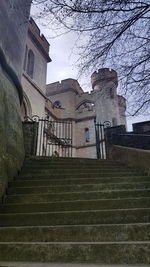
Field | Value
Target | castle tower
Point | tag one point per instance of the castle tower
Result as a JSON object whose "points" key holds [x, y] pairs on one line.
{"points": [[109, 106], [106, 81]]}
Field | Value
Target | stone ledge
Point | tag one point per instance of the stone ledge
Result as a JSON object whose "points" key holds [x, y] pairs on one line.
{"points": [[133, 157]]}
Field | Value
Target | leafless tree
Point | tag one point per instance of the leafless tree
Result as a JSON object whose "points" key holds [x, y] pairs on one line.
{"points": [[112, 33]]}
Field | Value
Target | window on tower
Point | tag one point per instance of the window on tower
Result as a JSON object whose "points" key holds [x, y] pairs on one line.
{"points": [[87, 135], [30, 64]]}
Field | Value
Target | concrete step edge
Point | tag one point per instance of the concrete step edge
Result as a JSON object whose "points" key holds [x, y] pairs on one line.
{"points": [[80, 200], [82, 185], [84, 192], [77, 211], [80, 243]]}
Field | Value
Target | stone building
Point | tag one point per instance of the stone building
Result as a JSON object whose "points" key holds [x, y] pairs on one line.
{"points": [[34, 72], [66, 100]]}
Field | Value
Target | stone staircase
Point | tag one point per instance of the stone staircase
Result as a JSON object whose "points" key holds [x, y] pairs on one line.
{"points": [[76, 211]]}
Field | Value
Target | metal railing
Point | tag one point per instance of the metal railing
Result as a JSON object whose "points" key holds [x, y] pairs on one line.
{"points": [[54, 137]]}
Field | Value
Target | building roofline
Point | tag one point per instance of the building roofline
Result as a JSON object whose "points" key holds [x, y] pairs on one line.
{"points": [[39, 39]]}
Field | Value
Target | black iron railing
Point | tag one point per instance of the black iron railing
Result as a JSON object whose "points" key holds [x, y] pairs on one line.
{"points": [[54, 137], [100, 138]]}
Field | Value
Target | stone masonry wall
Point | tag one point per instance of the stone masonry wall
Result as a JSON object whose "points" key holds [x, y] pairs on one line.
{"points": [[13, 29], [11, 145]]}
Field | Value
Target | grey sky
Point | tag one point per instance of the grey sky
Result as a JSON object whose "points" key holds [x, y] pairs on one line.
{"points": [[63, 64]]}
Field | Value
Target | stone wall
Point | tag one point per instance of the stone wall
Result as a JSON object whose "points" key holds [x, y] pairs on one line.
{"points": [[138, 139], [11, 145], [13, 28], [141, 127], [132, 157]]}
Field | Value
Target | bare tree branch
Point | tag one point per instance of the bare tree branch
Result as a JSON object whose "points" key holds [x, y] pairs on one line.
{"points": [[114, 33]]}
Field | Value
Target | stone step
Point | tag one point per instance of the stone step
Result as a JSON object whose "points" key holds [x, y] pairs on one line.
{"points": [[61, 172], [70, 181], [118, 216], [91, 204], [77, 171], [76, 188], [72, 166], [85, 252], [77, 233], [36, 264], [76, 210], [79, 175], [105, 194], [67, 160]]}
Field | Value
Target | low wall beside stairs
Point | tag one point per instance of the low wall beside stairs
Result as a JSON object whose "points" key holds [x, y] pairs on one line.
{"points": [[132, 157]]}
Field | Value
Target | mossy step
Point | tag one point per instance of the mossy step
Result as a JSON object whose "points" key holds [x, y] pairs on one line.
{"points": [[79, 175], [79, 169], [107, 194], [46, 182], [76, 188], [72, 165], [76, 233], [63, 159], [100, 252], [45, 264], [93, 204], [78, 172], [141, 215]]}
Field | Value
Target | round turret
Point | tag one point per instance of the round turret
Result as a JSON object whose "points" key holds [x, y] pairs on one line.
{"points": [[104, 78]]}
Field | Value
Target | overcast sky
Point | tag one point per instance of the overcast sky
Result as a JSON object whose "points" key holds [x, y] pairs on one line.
{"points": [[63, 65]]}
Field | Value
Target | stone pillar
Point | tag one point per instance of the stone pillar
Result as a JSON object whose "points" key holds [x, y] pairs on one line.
{"points": [[30, 132]]}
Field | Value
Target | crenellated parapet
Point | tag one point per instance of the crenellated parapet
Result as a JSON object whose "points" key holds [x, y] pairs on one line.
{"points": [[64, 86], [39, 39], [103, 77]]}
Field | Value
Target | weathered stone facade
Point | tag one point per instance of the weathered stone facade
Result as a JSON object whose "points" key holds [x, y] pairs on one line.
{"points": [[66, 99], [13, 28], [102, 104]]}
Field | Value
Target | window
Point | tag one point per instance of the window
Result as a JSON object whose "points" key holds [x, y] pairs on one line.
{"points": [[87, 135], [30, 65], [25, 58]]}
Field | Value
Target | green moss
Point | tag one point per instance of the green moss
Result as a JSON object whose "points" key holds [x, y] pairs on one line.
{"points": [[11, 146]]}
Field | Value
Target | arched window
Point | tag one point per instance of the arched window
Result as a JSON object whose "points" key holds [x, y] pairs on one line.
{"points": [[30, 64], [87, 135], [114, 122], [25, 58]]}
